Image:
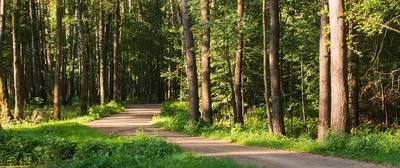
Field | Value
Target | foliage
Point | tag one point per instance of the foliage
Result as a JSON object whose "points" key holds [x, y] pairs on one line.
{"points": [[32, 113], [99, 111], [370, 144]]}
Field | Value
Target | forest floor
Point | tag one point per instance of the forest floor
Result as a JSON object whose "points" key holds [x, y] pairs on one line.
{"points": [[138, 117]]}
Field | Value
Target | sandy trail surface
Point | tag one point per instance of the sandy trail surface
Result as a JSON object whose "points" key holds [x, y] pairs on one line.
{"points": [[139, 116]]}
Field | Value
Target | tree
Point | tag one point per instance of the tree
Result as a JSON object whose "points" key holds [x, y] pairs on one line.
{"points": [[206, 102], [102, 61], [59, 40], [194, 113], [238, 66], [83, 63], [17, 61], [265, 62], [116, 47], [276, 94], [339, 106], [5, 111], [353, 74], [324, 76]]}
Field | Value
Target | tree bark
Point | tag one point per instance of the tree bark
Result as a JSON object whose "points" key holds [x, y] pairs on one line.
{"points": [[101, 57], [116, 51], [5, 111], [59, 40], [206, 108], [265, 61], [48, 47], [17, 60], [339, 108], [324, 76], [276, 94], [238, 66], [83, 63], [194, 113], [73, 47]]}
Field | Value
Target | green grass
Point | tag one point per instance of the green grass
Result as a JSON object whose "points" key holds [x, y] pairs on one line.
{"points": [[368, 144], [69, 143]]}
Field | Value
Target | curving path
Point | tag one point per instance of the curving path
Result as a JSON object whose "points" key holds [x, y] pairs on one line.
{"points": [[139, 116]]}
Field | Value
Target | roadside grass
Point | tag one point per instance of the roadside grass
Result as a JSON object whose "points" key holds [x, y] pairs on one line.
{"points": [[367, 143], [69, 143]]}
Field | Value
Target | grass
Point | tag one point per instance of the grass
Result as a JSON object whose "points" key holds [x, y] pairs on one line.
{"points": [[68, 143], [367, 144]]}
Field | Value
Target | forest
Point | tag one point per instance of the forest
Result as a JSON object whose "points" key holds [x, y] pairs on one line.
{"points": [[316, 76]]}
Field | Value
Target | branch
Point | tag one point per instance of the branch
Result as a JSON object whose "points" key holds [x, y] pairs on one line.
{"points": [[390, 28]]}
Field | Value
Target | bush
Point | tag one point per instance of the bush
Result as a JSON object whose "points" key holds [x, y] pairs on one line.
{"points": [[18, 149], [99, 111]]}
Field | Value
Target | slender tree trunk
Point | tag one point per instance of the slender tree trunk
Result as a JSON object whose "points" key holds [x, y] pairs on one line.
{"points": [[116, 51], [5, 111], [206, 108], [339, 107], [353, 76], [276, 94], [194, 113], [266, 92], [238, 66], [59, 40], [73, 46], [101, 57], [18, 96], [48, 46], [83, 63], [324, 76]]}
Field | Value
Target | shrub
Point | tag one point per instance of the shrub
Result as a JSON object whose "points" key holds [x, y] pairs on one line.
{"points": [[105, 110], [21, 149]]}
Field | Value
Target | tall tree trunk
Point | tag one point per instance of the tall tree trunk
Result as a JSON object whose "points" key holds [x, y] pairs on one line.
{"points": [[48, 46], [276, 94], [324, 76], [101, 57], [18, 96], [194, 113], [206, 108], [339, 107], [73, 45], [353, 76], [266, 92], [238, 66], [59, 40], [83, 63], [5, 111], [116, 52]]}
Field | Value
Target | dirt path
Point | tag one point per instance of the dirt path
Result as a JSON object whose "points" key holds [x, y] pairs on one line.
{"points": [[137, 116]]}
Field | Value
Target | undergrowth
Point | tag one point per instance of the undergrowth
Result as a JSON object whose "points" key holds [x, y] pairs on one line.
{"points": [[368, 143]]}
